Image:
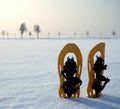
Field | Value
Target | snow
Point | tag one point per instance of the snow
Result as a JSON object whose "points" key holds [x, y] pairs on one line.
{"points": [[29, 75]]}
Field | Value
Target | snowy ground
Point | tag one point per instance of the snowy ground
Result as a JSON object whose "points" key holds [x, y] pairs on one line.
{"points": [[29, 75]]}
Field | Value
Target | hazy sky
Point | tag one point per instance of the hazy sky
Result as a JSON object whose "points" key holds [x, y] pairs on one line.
{"points": [[66, 16]]}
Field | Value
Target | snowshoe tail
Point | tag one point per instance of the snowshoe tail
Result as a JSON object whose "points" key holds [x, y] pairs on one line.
{"points": [[91, 76], [106, 82], [69, 48]]}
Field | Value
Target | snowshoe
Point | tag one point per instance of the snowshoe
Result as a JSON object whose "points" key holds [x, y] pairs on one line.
{"points": [[69, 48], [91, 75]]}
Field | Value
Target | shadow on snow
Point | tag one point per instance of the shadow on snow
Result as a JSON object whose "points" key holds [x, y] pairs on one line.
{"points": [[105, 101]]}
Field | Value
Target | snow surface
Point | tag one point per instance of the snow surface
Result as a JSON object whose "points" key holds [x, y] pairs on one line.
{"points": [[29, 75]]}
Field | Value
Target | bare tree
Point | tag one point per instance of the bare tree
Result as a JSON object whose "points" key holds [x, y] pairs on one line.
{"points": [[48, 35], [37, 30], [7, 33], [22, 29], [74, 33], [113, 33], [30, 33], [59, 34], [87, 33], [3, 33]]}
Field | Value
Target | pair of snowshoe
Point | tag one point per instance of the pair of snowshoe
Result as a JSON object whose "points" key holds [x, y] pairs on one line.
{"points": [[70, 72]]}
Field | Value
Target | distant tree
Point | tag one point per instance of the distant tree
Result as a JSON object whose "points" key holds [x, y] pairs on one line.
{"points": [[37, 30], [74, 33], [101, 33], [59, 34], [48, 35], [7, 34], [113, 33], [87, 33], [22, 29], [30, 33], [3, 33]]}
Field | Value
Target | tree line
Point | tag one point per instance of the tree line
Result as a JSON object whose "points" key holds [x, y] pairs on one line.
{"points": [[23, 29]]}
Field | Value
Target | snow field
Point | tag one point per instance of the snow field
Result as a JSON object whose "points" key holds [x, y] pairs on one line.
{"points": [[29, 77]]}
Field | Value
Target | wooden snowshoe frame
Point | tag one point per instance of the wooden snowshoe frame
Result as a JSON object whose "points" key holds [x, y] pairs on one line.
{"points": [[69, 48], [91, 75]]}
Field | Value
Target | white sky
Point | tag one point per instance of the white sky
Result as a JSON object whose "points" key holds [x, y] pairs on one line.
{"points": [[66, 16]]}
